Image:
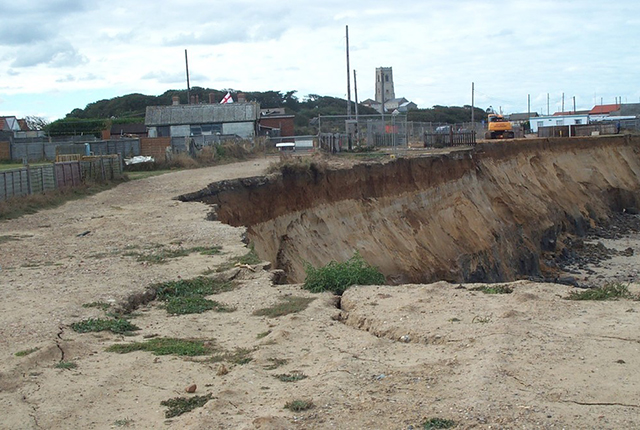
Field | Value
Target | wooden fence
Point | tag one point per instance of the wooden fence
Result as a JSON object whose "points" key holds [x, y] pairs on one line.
{"points": [[452, 138], [37, 179]]}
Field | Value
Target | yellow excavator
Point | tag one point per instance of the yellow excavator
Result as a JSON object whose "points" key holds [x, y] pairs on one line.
{"points": [[498, 127]]}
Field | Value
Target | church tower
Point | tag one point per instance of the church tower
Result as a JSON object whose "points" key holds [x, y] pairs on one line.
{"points": [[384, 82]]}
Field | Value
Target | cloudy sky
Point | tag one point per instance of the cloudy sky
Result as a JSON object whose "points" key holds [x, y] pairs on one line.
{"points": [[57, 55]]}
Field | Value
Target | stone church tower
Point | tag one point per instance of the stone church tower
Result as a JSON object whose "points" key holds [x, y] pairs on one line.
{"points": [[384, 82]]}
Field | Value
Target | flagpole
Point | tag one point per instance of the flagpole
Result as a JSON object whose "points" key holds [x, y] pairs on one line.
{"points": [[186, 61]]}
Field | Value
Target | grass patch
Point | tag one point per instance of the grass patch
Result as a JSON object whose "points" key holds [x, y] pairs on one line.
{"points": [[163, 255], [289, 305], [438, 423], [19, 206], [26, 352], [275, 363], [299, 405], [200, 286], [116, 325], [612, 291], [239, 356], [250, 258], [166, 346], [104, 306], [337, 277], [290, 377], [194, 305], [181, 405], [263, 334], [299, 166], [67, 365], [187, 296], [494, 289], [123, 423]]}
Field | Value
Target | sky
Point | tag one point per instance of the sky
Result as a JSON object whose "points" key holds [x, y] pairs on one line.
{"points": [[58, 55]]}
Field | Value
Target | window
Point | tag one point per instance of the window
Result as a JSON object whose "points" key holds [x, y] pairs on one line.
{"points": [[559, 122], [578, 121], [386, 78], [540, 123]]}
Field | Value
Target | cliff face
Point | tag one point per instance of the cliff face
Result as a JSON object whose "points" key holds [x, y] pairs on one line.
{"points": [[479, 215]]}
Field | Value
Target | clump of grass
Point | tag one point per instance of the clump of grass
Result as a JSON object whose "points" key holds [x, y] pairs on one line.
{"points": [[291, 377], [181, 405], [263, 334], [239, 356], [163, 255], [275, 363], [100, 305], [67, 365], [194, 305], [494, 289], [438, 423], [167, 346], [289, 305], [611, 291], [481, 319], [187, 296], [26, 352], [116, 325], [299, 405], [123, 422], [299, 166], [337, 277]]}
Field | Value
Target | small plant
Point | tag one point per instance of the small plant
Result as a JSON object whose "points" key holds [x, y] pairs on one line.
{"points": [[100, 305], [26, 352], [166, 346], [123, 423], [67, 365], [263, 334], [194, 305], [250, 258], [291, 377], [494, 289], [337, 277], [289, 305], [117, 325], [181, 405], [239, 356], [454, 319], [481, 320], [438, 423], [612, 291], [299, 405], [187, 296], [161, 256], [275, 363]]}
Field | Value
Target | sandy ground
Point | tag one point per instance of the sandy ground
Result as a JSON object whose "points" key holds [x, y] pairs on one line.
{"points": [[388, 358]]}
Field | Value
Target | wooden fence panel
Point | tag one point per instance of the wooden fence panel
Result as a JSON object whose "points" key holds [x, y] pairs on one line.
{"points": [[68, 174], [5, 150], [155, 147]]}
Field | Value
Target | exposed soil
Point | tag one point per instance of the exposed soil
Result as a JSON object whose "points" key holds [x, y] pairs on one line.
{"points": [[391, 358]]}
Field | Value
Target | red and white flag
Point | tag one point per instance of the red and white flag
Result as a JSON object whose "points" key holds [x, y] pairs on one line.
{"points": [[227, 99]]}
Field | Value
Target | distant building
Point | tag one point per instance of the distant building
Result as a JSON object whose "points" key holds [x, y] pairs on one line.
{"points": [[240, 119], [9, 123], [384, 84], [557, 120], [276, 123]]}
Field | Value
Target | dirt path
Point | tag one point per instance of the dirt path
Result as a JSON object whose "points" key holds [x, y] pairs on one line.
{"points": [[391, 358]]}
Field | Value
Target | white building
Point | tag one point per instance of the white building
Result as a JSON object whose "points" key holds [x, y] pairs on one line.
{"points": [[557, 121]]}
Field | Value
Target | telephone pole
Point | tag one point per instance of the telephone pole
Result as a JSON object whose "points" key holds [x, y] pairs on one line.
{"points": [[348, 78], [186, 61]]}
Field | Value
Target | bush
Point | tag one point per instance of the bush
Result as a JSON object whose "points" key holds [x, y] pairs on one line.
{"points": [[337, 277], [607, 292]]}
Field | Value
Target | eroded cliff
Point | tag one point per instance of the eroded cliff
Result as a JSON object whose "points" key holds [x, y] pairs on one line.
{"points": [[485, 214]]}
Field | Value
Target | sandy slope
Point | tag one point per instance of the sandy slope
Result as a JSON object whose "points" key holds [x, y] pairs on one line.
{"points": [[391, 358]]}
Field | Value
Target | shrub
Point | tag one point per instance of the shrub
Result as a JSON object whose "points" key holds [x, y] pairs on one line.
{"points": [[608, 292], [299, 405], [181, 405], [117, 325], [337, 277]]}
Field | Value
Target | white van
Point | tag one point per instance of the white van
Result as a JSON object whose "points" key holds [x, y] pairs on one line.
{"points": [[286, 146]]}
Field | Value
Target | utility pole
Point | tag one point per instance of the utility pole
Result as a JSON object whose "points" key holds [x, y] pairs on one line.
{"points": [[562, 102], [472, 105], [348, 78], [574, 104], [355, 93], [547, 104], [186, 61]]}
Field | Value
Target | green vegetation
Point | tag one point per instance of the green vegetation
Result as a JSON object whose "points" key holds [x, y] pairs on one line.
{"points": [[238, 356], [19, 206], [166, 346], [263, 334], [299, 166], [337, 277], [438, 423], [299, 405], [494, 289], [123, 422], [162, 255], [611, 291], [289, 305], [290, 377], [26, 352], [100, 305], [187, 296], [181, 405], [250, 258], [446, 114], [275, 363], [116, 325], [66, 365]]}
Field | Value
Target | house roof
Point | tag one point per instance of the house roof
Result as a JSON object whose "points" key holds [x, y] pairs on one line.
{"points": [[522, 116], [604, 109], [201, 114], [628, 109]]}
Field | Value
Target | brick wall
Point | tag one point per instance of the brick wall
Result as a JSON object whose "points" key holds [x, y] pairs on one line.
{"points": [[155, 147]]}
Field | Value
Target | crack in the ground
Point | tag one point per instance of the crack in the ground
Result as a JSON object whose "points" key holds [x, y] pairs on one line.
{"points": [[626, 405], [59, 335]]}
